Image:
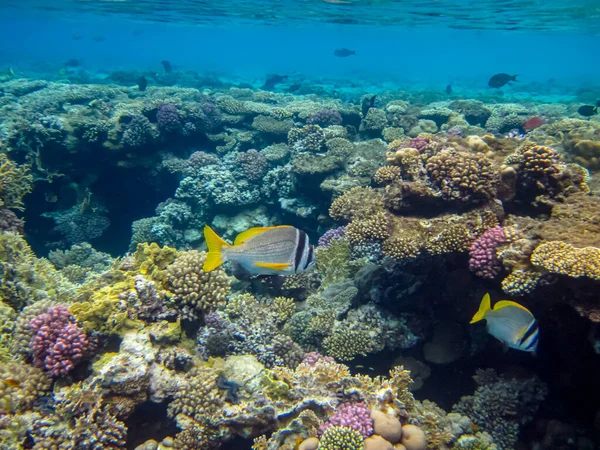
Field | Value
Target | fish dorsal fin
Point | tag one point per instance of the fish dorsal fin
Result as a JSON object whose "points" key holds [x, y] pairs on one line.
{"points": [[505, 303], [251, 232], [274, 266]]}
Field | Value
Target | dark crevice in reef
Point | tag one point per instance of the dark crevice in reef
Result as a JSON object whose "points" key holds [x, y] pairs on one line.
{"points": [[129, 193], [149, 421]]}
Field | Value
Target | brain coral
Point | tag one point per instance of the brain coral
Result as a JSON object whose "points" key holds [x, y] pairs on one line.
{"points": [[196, 291]]}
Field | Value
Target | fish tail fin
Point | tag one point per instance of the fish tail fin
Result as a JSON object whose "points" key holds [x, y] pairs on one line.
{"points": [[215, 245], [484, 307]]}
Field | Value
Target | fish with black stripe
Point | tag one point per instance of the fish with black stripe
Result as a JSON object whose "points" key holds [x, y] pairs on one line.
{"points": [[510, 323], [279, 250]]}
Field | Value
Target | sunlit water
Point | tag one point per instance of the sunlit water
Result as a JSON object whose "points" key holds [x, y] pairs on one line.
{"points": [[410, 45]]}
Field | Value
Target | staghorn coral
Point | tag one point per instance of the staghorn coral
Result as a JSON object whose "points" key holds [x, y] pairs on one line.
{"points": [[196, 291], [562, 258], [58, 343]]}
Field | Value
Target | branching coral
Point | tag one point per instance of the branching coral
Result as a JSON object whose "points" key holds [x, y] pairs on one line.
{"points": [[501, 405], [21, 386], [196, 291], [15, 183]]}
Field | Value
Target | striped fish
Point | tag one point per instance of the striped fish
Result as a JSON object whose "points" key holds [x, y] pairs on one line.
{"points": [[510, 323], [281, 250]]}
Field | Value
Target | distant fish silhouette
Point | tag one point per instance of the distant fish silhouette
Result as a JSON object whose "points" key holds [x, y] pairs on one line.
{"points": [[367, 103], [99, 38], [589, 110], [500, 79], [449, 89], [167, 66], [76, 37], [273, 80], [344, 52], [142, 83], [73, 62]]}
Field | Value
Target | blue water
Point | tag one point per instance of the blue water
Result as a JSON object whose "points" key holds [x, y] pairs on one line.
{"points": [[543, 42]]}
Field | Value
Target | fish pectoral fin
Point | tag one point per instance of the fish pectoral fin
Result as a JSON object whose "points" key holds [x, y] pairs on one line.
{"points": [[251, 232], [274, 266]]}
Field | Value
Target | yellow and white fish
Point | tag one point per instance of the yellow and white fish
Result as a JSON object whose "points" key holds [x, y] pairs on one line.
{"points": [[281, 250], [509, 322]]}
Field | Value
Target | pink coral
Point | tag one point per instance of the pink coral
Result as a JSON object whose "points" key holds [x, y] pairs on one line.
{"points": [[483, 260], [57, 343], [311, 358], [353, 415]]}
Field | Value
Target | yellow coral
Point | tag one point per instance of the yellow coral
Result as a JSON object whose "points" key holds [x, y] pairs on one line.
{"points": [[562, 258], [152, 260], [15, 183]]}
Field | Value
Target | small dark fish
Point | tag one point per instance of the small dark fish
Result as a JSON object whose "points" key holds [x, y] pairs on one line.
{"points": [[99, 38], [294, 87], [142, 83], [76, 37], [367, 103], [588, 110], [500, 79], [167, 66], [73, 62], [449, 89], [273, 80], [533, 123], [344, 52]]}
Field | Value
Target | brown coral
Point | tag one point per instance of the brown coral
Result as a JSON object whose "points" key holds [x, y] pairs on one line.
{"points": [[358, 202], [21, 386], [199, 398], [462, 176], [195, 290], [374, 227]]}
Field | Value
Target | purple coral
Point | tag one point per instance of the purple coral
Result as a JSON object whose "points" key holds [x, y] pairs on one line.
{"points": [[138, 132], [168, 118], [253, 164], [483, 260], [57, 343], [311, 358], [330, 235], [353, 415], [325, 118]]}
